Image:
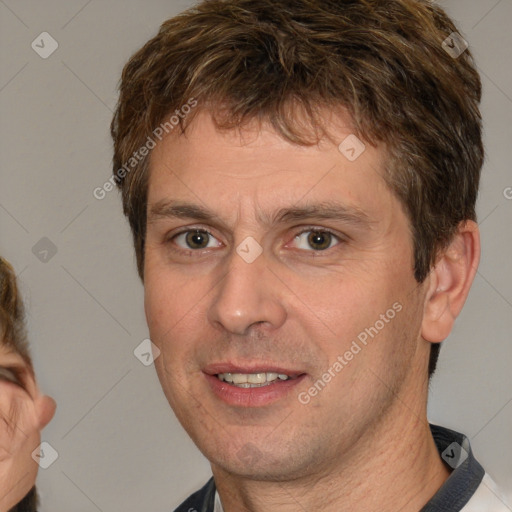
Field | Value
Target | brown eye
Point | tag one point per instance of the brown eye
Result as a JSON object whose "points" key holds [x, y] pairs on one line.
{"points": [[195, 239], [317, 239]]}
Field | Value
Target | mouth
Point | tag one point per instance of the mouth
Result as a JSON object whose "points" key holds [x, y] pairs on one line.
{"points": [[251, 384], [253, 380]]}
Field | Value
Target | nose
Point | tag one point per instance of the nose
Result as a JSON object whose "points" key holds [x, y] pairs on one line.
{"points": [[248, 294], [45, 407]]}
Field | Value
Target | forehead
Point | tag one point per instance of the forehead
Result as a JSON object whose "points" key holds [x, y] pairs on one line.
{"points": [[257, 169]]}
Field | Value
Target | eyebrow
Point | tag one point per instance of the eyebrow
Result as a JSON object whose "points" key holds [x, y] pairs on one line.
{"points": [[326, 210]]}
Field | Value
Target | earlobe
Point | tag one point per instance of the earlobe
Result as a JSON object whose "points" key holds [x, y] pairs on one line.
{"points": [[450, 281]]}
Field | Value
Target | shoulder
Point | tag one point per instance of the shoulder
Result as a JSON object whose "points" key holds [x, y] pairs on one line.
{"points": [[200, 501], [468, 488], [487, 497]]}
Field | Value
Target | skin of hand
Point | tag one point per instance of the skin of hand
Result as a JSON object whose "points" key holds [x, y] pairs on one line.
{"points": [[24, 412]]}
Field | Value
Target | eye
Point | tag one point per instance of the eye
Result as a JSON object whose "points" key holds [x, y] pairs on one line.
{"points": [[195, 239], [200, 239], [11, 375], [318, 239]]}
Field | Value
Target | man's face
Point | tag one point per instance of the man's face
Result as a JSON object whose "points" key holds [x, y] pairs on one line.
{"points": [[216, 305]]}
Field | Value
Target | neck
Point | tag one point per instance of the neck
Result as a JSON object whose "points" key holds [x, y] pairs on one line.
{"points": [[395, 466]]}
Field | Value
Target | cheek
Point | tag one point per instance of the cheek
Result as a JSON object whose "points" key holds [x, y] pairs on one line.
{"points": [[168, 293], [172, 315], [160, 302], [350, 305], [374, 324], [19, 432]]}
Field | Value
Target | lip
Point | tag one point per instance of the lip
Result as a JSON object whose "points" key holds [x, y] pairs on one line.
{"points": [[251, 397]]}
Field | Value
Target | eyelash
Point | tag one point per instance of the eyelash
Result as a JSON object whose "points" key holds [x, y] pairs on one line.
{"points": [[189, 252]]}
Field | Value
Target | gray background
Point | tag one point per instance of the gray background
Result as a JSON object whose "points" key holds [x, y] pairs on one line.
{"points": [[119, 445]]}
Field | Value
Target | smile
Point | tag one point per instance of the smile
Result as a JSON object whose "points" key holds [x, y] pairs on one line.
{"points": [[252, 380]]}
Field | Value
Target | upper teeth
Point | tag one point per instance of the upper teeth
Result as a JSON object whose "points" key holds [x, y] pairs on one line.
{"points": [[246, 379]]}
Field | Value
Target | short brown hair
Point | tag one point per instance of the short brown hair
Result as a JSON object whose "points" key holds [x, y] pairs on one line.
{"points": [[382, 60], [12, 325]]}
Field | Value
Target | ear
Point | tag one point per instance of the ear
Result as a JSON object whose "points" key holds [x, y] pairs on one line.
{"points": [[450, 281]]}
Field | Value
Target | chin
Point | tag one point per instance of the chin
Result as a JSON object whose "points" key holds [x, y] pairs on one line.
{"points": [[258, 461]]}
